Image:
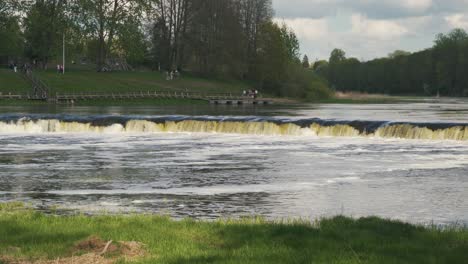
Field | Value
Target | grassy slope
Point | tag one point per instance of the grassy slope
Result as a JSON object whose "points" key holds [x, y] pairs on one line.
{"points": [[91, 81], [11, 82], [337, 240]]}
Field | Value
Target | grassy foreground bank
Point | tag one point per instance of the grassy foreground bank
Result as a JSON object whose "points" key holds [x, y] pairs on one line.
{"points": [[31, 237]]}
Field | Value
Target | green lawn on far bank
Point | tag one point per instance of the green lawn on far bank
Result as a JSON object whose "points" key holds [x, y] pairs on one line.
{"points": [[28, 235], [91, 81], [11, 82]]}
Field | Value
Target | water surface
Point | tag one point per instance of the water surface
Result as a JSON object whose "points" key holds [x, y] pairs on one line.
{"points": [[210, 175]]}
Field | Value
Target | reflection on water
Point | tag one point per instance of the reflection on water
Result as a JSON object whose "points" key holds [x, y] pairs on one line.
{"points": [[443, 110], [229, 175]]}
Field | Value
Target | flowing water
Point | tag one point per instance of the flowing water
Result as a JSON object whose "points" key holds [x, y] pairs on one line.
{"points": [[406, 161]]}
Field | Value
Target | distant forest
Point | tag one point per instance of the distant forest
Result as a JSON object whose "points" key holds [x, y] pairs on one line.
{"points": [[234, 39], [442, 69]]}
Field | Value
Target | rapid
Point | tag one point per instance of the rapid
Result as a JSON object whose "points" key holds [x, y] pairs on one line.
{"points": [[405, 161]]}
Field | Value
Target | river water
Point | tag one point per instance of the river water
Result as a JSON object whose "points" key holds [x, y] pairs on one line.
{"points": [[405, 161]]}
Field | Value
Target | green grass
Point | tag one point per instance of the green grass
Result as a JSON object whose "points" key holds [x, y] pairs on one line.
{"points": [[335, 240], [92, 81], [22, 102], [11, 82]]}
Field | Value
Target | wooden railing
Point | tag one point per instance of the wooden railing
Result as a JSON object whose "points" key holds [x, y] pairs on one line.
{"points": [[39, 89], [149, 94], [26, 96]]}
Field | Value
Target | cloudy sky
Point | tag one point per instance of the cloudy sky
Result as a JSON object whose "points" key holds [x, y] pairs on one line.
{"points": [[367, 29]]}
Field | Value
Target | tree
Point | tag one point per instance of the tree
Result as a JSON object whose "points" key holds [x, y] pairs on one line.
{"points": [[11, 43], [337, 56], [11, 37], [216, 40], [253, 15], [291, 42], [169, 31], [305, 62], [448, 53], [105, 19], [398, 53], [440, 69], [44, 25], [272, 58]]}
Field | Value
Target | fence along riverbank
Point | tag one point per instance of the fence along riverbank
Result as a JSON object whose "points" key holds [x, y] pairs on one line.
{"points": [[41, 91]]}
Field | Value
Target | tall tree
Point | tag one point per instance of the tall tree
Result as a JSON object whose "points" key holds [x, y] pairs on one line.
{"points": [[336, 57], [104, 19], [11, 43], [305, 62], [272, 59], [216, 39], [169, 31], [253, 14], [44, 24]]}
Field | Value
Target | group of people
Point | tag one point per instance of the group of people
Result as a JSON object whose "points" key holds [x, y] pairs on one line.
{"points": [[24, 67], [250, 93], [13, 67], [60, 68], [171, 75]]}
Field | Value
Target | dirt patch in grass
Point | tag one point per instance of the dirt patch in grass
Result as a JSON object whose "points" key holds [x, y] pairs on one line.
{"points": [[92, 250]]}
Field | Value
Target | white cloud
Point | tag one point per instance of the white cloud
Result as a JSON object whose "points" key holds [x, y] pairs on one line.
{"points": [[457, 21], [306, 28], [381, 9], [416, 4], [376, 29], [370, 28]]}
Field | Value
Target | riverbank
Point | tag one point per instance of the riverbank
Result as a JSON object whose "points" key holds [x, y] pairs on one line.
{"points": [[31, 237], [107, 102]]}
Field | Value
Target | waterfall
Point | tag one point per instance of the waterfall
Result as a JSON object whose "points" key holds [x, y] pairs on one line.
{"points": [[316, 127]]}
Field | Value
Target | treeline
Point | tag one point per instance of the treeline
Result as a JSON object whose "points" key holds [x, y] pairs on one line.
{"points": [[442, 69], [218, 38]]}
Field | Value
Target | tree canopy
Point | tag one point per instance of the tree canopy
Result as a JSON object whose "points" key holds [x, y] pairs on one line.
{"points": [[235, 39], [439, 70]]}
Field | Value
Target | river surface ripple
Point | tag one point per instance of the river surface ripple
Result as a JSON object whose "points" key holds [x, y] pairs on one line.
{"points": [[208, 176]]}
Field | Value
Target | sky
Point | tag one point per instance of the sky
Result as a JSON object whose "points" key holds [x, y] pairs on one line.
{"points": [[367, 29]]}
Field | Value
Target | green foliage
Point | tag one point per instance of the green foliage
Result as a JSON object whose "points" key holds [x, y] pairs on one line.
{"points": [[249, 240], [131, 43], [291, 42], [441, 69], [272, 58], [279, 69], [398, 53], [228, 39], [305, 62], [11, 37], [304, 84], [44, 25], [337, 56]]}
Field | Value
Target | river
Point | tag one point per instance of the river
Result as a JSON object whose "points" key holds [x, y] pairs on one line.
{"points": [[406, 161]]}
